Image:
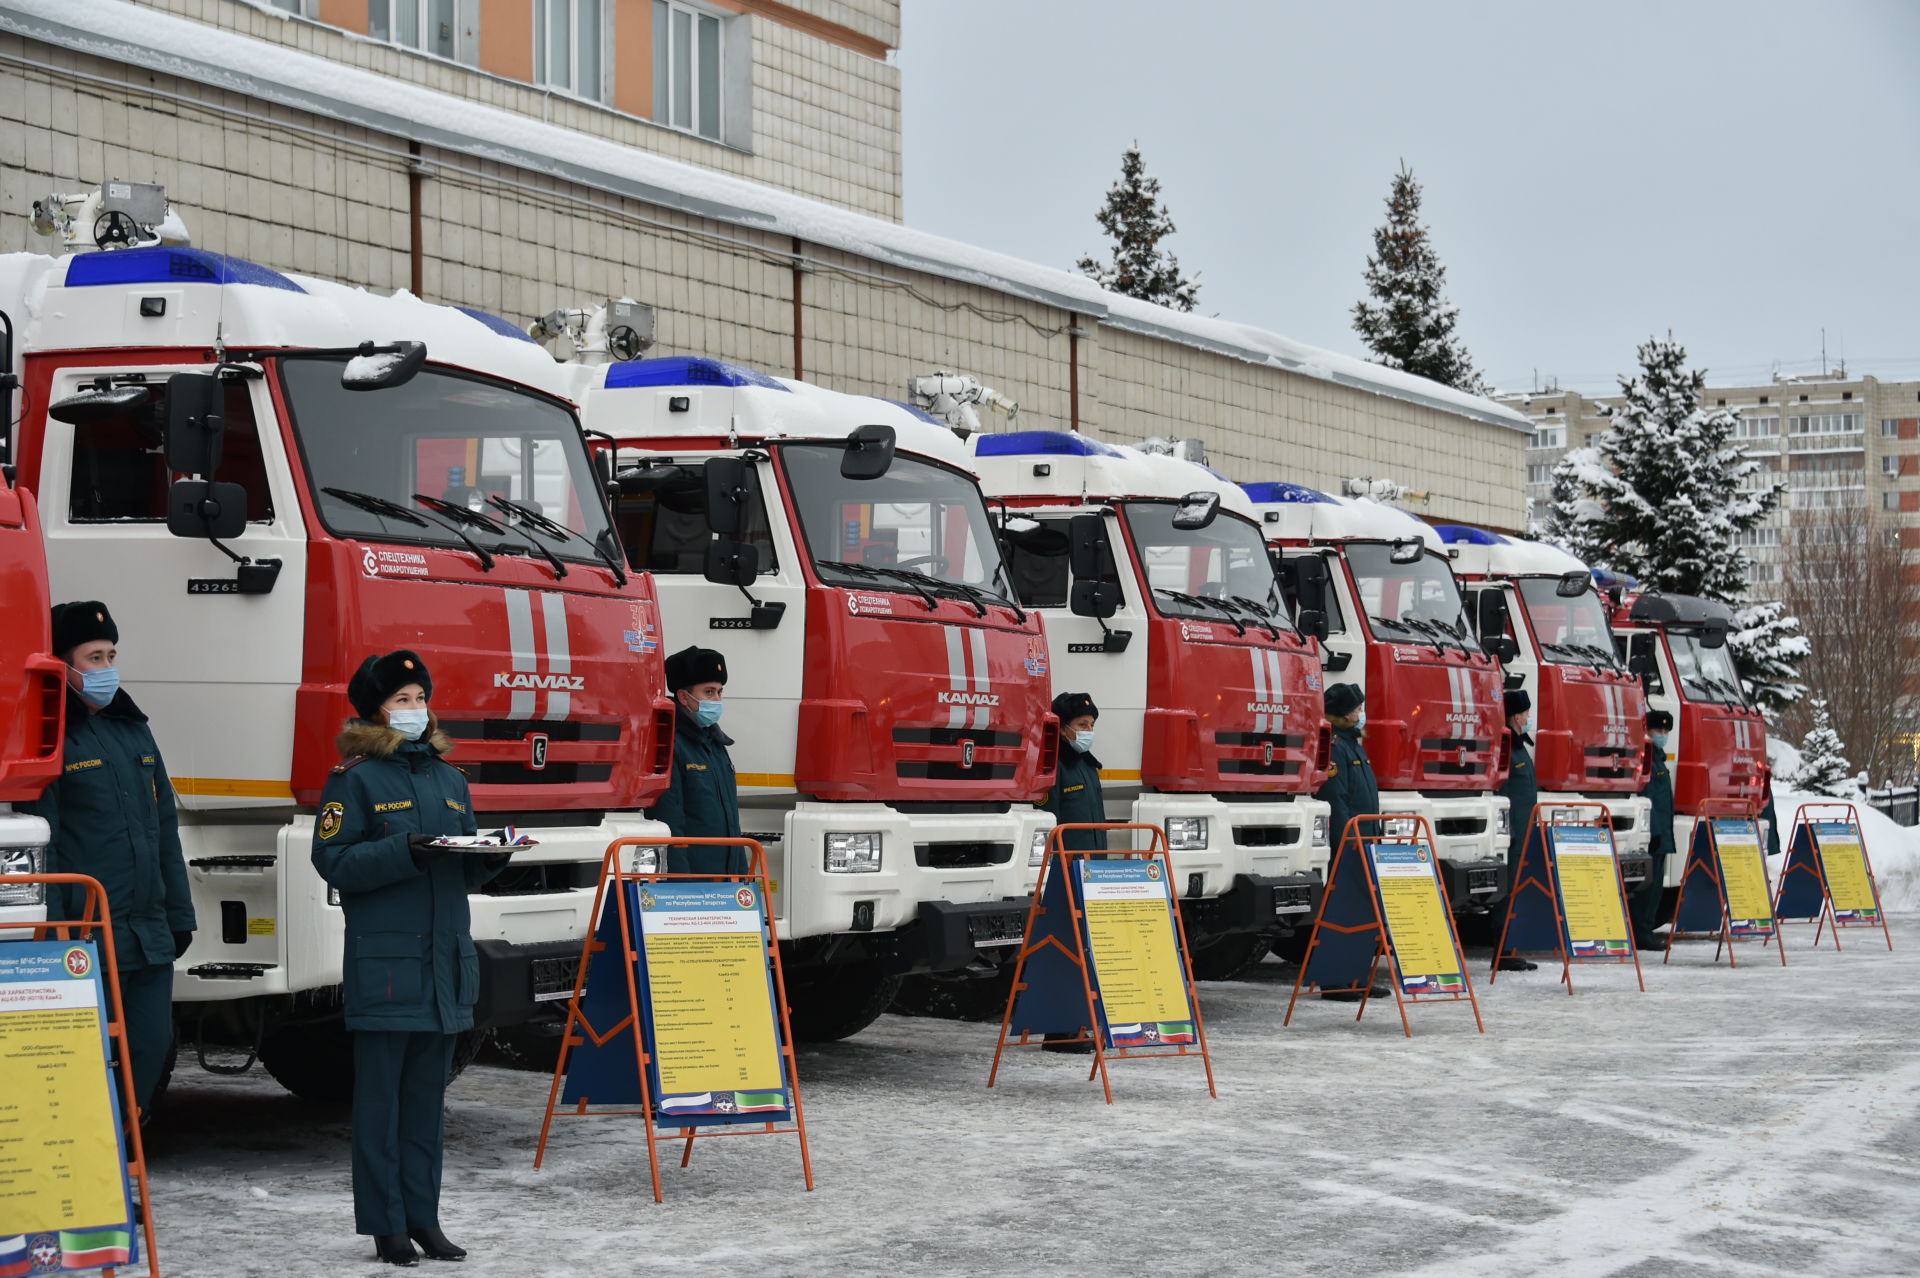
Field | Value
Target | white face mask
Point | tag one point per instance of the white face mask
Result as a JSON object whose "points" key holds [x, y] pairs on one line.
{"points": [[408, 723], [1082, 741]]}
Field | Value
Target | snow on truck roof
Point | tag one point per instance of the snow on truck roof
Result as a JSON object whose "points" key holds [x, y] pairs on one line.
{"points": [[1294, 512], [71, 303], [145, 37], [1479, 553], [1079, 467]]}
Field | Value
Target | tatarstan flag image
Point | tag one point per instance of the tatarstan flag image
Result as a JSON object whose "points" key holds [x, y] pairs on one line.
{"points": [[93, 1248]]}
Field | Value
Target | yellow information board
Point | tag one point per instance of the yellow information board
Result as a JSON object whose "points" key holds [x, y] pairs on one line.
{"points": [[1136, 959], [1416, 918], [1589, 883], [709, 1000], [60, 1162], [1744, 874], [1844, 864]]}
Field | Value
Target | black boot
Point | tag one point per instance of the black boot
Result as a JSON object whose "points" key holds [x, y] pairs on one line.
{"points": [[435, 1244], [1654, 942], [394, 1249], [1514, 963]]}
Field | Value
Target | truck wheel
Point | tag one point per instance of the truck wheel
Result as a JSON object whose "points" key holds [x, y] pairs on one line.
{"points": [[1225, 957], [970, 998], [314, 1060], [1292, 948], [827, 1004]]}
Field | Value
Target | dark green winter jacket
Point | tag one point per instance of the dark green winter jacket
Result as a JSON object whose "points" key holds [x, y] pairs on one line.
{"points": [[112, 816], [1522, 788], [1659, 792], [703, 802], [410, 963], [1350, 788], [1076, 797]]}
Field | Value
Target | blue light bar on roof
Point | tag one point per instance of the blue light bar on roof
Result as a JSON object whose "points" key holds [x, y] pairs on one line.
{"points": [[917, 411], [170, 266], [494, 322], [1052, 443], [1271, 492], [1462, 535], [1606, 579], [686, 370]]}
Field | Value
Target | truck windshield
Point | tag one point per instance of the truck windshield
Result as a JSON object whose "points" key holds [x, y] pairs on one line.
{"points": [[454, 437], [1217, 573], [1417, 602], [1570, 631], [920, 527], [1706, 674]]}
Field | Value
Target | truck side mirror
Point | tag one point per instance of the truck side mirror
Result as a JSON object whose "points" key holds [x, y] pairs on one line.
{"points": [[726, 484], [195, 424], [869, 453], [1196, 510], [1093, 598], [1573, 584], [1641, 662], [732, 563], [1310, 586], [1312, 623], [98, 404], [1714, 633], [383, 367], [1490, 621], [1088, 548], [203, 508]]}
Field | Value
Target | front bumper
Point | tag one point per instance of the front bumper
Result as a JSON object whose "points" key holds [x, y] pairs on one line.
{"points": [[520, 982], [1271, 840], [947, 937], [1256, 903]]}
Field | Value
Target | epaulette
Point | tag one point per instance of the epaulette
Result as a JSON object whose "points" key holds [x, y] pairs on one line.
{"points": [[351, 761]]}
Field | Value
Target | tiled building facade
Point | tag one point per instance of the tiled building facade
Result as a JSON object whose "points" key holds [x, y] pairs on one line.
{"points": [[322, 142]]}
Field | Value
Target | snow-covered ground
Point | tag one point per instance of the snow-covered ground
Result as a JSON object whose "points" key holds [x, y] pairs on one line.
{"points": [[1751, 1121]]}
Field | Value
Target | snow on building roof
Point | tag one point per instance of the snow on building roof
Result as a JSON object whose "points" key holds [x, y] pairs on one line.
{"points": [[171, 45]]}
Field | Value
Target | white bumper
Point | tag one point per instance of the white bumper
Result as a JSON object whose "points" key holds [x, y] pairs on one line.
{"points": [[1265, 840]]}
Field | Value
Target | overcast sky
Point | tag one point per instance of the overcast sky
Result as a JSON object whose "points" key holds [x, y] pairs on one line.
{"points": [[1743, 173]]}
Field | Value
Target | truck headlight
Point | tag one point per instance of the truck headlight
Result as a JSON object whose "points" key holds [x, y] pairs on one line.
{"points": [[643, 859], [23, 860], [1037, 854], [853, 853], [1187, 834], [1400, 827], [1320, 831], [1505, 824]]}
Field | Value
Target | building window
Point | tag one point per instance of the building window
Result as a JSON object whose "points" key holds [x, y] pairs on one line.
{"points": [[689, 68], [1890, 465], [568, 36], [1825, 424], [426, 25], [1889, 428], [1757, 537], [292, 6], [1549, 437], [1890, 500], [1756, 428], [1540, 474]]}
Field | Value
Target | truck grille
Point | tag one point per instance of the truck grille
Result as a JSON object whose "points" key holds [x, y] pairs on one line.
{"points": [[961, 855], [1266, 836], [1611, 763], [1459, 827], [940, 770], [563, 736], [543, 879], [1459, 764], [1260, 767]]}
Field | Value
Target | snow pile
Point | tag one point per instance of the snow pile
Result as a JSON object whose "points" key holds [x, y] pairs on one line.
{"points": [[1893, 849]]}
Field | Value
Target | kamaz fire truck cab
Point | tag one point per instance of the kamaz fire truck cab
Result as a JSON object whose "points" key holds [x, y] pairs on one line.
{"points": [[1160, 601], [270, 477], [1677, 646], [33, 696], [1589, 713], [888, 695], [1380, 585]]}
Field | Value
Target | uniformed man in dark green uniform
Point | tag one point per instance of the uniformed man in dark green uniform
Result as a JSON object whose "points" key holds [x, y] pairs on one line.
{"points": [[1350, 788], [1522, 791], [112, 816], [411, 973], [1659, 792], [1076, 796], [703, 802]]}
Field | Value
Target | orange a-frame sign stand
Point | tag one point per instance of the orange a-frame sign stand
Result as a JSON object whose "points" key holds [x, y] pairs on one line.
{"points": [[1057, 926], [1353, 943], [1807, 860], [579, 1030], [1545, 909], [1703, 862], [94, 924]]}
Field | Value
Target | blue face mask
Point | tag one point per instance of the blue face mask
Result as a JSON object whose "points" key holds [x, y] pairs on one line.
{"points": [[408, 723], [97, 687], [1082, 741], [1359, 721], [709, 713], [1660, 741]]}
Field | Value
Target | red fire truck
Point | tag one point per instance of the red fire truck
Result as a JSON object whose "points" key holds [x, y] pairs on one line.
{"points": [[269, 477], [33, 697]]}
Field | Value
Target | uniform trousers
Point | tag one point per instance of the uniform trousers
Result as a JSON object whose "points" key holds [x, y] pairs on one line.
{"points": [[399, 1098]]}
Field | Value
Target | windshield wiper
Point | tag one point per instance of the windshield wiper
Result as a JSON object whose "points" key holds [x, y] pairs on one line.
{"points": [[1261, 611], [1601, 656], [1203, 601], [525, 529], [1431, 629], [378, 506], [875, 572], [560, 533], [461, 515]]}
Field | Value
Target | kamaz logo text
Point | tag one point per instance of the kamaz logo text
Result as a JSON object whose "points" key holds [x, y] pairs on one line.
{"points": [[1267, 707], [1464, 719], [568, 683], [969, 698]]}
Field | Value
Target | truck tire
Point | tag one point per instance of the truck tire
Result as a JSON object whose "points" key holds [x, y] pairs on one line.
{"points": [[314, 1059], [972, 998], [1225, 957], [827, 1004], [1292, 948]]}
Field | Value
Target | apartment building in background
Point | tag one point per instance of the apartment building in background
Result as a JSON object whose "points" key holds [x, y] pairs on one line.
{"points": [[734, 164]]}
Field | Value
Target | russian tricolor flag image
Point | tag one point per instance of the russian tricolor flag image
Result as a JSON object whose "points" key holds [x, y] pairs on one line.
{"points": [[14, 1259]]}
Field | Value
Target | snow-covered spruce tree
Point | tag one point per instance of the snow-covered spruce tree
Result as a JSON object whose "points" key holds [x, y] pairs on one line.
{"points": [[1660, 498], [1408, 324], [1823, 762], [1134, 220]]}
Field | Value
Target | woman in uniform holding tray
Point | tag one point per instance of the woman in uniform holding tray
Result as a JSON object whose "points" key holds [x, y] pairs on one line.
{"points": [[411, 974]]}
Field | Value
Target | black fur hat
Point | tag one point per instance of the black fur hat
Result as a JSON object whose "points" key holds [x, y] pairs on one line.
{"points": [[83, 622], [1343, 699], [1518, 702], [1659, 721], [1071, 705], [696, 665], [379, 677]]}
